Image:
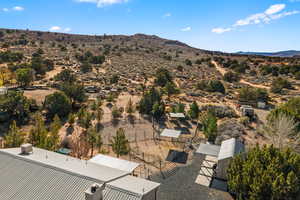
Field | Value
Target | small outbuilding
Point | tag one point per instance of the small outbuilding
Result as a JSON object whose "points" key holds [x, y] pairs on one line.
{"points": [[261, 104], [247, 111], [223, 154], [229, 148], [170, 133], [3, 90], [175, 116]]}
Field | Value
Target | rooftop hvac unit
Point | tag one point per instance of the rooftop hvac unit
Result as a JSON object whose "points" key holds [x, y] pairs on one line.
{"points": [[26, 148]]}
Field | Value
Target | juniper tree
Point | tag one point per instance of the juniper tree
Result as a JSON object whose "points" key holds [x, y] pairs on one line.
{"points": [[120, 144], [265, 173], [53, 138], [15, 137]]}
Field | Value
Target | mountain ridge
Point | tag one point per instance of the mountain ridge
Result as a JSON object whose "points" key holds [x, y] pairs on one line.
{"points": [[288, 53]]}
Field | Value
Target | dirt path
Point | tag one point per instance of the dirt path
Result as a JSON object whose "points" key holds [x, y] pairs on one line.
{"points": [[53, 73], [254, 85], [223, 71], [220, 69]]}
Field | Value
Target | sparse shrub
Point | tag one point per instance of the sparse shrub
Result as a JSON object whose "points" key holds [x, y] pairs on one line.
{"points": [[231, 77], [279, 84], [211, 86]]}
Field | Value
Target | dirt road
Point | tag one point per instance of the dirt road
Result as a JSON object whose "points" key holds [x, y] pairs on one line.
{"points": [[223, 71]]}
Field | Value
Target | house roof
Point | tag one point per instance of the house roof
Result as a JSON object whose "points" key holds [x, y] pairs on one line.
{"points": [[230, 147], [87, 169], [45, 175], [111, 193], [170, 133], [135, 185], [115, 163], [208, 149], [27, 180]]}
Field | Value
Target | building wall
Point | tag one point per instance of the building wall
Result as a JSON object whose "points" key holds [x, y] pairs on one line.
{"points": [[222, 167], [150, 196]]}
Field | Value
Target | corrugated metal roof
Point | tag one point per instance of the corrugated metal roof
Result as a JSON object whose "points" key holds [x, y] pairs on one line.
{"points": [[209, 149], [25, 180], [112, 193], [135, 185], [170, 133], [230, 148], [115, 163], [39, 176]]}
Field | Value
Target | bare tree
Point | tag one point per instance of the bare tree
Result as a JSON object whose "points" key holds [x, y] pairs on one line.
{"points": [[282, 132]]}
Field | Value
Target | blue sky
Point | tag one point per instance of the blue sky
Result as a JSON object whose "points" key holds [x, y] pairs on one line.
{"points": [[223, 25]]}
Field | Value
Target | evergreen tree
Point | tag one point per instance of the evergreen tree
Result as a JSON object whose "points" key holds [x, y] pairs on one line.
{"points": [[170, 89], [158, 110], [38, 134], [57, 103], [115, 112], [194, 110], [99, 114], [71, 119], [92, 139], [120, 144], [53, 138], [210, 127], [130, 108], [14, 138], [265, 173]]}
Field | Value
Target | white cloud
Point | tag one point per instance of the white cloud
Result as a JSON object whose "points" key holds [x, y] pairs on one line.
{"points": [[102, 3], [221, 30], [55, 28], [186, 29], [60, 29], [275, 9], [18, 8], [167, 15], [274, 12], [67, 30]]}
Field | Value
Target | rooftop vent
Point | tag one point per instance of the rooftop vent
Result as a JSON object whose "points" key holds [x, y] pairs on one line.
{"points": [[94, 192], [26, 149]]}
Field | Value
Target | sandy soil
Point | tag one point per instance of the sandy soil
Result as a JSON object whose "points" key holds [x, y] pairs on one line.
{"points": [[53, 73], [39, 95]]}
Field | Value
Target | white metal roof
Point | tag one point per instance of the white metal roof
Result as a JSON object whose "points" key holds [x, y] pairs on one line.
{"points": [[115, 163], [230, 148], [170, 133], [133, 184], [69, 164], [177, 115], [209, 149]]}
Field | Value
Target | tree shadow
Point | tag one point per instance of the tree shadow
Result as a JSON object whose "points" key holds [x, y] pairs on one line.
{"points": [[70, 130], [115, 122], [131, 119], [99, 127], [185, 123]]}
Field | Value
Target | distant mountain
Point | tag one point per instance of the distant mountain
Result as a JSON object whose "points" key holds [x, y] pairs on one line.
{"points": [[290, 53]]}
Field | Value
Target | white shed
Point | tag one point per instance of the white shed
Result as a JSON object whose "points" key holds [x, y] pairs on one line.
{"points": [[177, 115], [223, 154], [229, 148], [170, 133], [3, 90]]}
